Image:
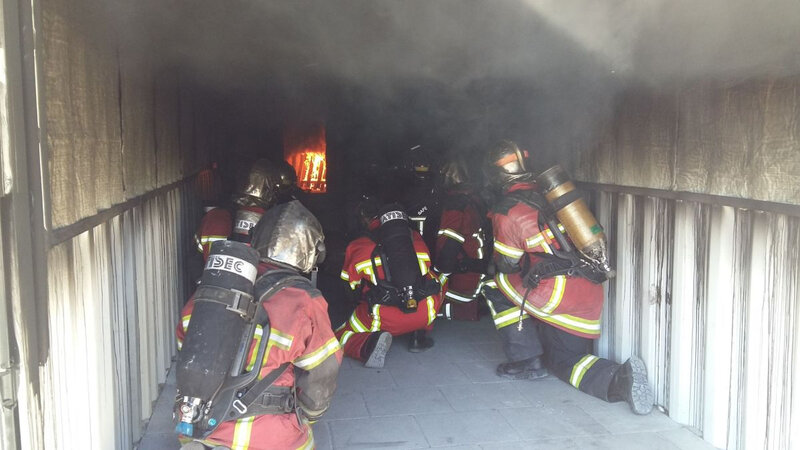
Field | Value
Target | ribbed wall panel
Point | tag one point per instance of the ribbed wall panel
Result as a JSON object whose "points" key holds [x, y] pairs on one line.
{"points": [[115, 292], [708, 296]]}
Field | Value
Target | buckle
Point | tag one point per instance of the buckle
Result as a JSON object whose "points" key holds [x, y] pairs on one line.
{"points": [[242, 304], [240, 407]]}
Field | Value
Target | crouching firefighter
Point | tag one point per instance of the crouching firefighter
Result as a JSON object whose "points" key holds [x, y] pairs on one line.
{"points": [[461, 257], [546, 296], [258, 359], [388, 272], [256, 192]]}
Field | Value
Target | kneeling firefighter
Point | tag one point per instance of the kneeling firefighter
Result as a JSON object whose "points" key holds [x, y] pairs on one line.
{"points": [[264, 185], [461, 256], [388, 272], [258, 357], [546, 296]]}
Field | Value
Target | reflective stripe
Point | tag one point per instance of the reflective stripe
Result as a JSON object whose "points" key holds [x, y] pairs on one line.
{"points": [[345, 276], [309, 443], [420, 221], [199, 244], [212, 238], [559, 283], [241, 433], [257, 335], [353, 285], [479, 237], [376, 318], [457, 297], [508, 250], [443, 278], [423, 258], [574, 323], [315, 358], [345, 337], [367, 264], [281, 340], [507, 317], [356, 324], [431, 309], [452, 234], [580, 369], [185, 322]]}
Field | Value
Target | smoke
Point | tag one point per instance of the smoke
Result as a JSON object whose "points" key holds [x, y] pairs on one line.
{"points": [[455, 74]]}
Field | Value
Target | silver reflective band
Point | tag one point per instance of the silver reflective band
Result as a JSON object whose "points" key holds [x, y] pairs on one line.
{"points": [[244, 226], [232, 264]]}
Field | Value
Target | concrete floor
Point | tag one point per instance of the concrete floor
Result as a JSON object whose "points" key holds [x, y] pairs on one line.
{"points": [[450, 397]]}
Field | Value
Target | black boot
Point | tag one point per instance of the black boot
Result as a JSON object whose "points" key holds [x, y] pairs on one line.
{"points": [[527, 369], [373, 353], [630, 384], [419, 342]]}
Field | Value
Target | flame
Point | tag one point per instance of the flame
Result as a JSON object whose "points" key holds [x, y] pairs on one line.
{"points": [[305, 149]]}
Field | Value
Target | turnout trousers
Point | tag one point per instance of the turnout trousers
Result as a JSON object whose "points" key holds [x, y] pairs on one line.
{"points": [[365, 320], [566, 356]]}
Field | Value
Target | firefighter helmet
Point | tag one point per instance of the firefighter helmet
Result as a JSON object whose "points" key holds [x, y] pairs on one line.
{"points": [[258, 187], [287, 177], [505, 164], [368, 208], [454, 173], [289, 235]]}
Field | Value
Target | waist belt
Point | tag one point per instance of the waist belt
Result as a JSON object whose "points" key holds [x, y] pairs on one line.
{"points": [[275, 400]]}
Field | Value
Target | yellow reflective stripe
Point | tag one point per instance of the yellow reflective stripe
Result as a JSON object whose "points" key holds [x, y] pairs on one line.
{"points": [[367, 265], [345, 337], [353, 285], [356, 324], [345, 276], [315, 358], [491, 307], [565, 320], [423, 258], [443, 278], [241, 433], [185, 322], [258, 334], [580, 369], [452, 234], [281, 340], [431, 309], [508, 317], [508, 250], [309, 443], [376, 318], [462, 298], [212, 238], [559, 283], [199, 244]]}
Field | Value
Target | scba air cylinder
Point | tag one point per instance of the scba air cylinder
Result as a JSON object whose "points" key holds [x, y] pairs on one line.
{"points": [[572, 211], [215, 330]]}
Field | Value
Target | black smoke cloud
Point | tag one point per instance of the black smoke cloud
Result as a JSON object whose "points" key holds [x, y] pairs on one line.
{"points": [[453, 75]]}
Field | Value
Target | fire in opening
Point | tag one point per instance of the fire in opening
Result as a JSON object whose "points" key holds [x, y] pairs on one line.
{"points": [[304, 147]]}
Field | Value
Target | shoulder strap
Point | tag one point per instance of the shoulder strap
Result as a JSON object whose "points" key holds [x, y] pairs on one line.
{"points": [[262, 385]]}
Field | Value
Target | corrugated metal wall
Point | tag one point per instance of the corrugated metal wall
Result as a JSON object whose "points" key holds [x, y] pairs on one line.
{"points": [[708, 295], [115, 294]]}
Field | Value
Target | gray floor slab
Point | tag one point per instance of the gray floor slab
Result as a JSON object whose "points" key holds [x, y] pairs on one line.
{"points": [[450, 397]]}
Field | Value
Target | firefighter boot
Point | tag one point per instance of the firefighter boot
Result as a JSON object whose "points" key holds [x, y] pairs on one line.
{"points": [[419, 342], [526, 369], [630, 384], [373, 353]]}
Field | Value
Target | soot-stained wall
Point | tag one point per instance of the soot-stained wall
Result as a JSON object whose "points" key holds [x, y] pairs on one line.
{"points": [[737, 139]]}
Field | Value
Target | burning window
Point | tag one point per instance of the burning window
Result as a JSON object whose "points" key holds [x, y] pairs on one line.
{"points": [[304, 148]]}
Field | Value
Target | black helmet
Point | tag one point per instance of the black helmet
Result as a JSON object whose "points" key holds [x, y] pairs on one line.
{"points": [[368, 207], [286, 179], [454, 173], [505, 164]]}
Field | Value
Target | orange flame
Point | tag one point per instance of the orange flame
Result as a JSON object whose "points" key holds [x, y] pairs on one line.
{"points": [[305, 149]]}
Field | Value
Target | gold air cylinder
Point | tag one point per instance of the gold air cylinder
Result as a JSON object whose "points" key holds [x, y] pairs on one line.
{"points": [[571, 210]]}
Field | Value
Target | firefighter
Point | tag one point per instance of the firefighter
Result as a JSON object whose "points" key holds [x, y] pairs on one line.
{"points": [[460, 243], [302, 346], [405, 301], [421, 197], [255, 193], [550, 323]]}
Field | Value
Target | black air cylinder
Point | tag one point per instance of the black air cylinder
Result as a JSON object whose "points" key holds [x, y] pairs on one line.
{"points": [[398, 247], [214, 332], [244, 221]]}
